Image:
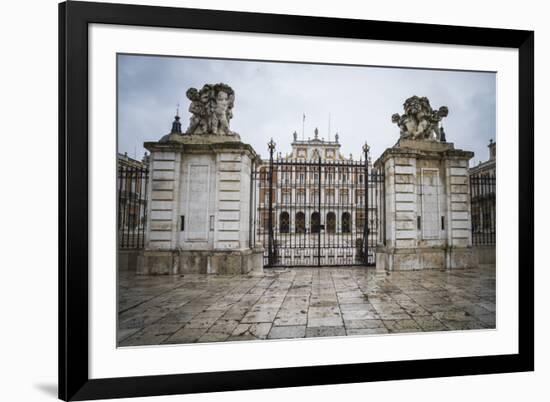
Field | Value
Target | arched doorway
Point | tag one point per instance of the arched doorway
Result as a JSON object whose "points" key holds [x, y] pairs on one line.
{"points": [[331, 222], [300, 222], [315, 222], [284, 222], [346, 222]]}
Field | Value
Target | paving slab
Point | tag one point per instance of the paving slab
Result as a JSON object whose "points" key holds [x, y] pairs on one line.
{"points": [[287, 332], [313, 332]]}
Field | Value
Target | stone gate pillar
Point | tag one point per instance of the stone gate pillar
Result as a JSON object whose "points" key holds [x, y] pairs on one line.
{"points": [[199, 213], [427, 200]]}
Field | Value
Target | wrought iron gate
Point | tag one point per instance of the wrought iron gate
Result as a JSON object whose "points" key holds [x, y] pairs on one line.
{"points": [[318, 212]]}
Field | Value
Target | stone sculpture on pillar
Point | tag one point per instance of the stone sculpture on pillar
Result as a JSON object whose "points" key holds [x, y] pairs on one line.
{"points": [[427, 197], [211, 109], [200, 213], [420, 121]]}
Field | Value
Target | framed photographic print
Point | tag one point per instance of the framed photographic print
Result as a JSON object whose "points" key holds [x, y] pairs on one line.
{"points": [[258, 201]]}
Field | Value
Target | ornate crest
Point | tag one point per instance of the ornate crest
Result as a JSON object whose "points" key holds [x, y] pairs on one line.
{"points": [[420, 121], [211, 109]]}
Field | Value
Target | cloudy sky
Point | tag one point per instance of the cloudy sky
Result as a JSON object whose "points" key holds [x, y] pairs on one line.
{"points": [[271, 98]]}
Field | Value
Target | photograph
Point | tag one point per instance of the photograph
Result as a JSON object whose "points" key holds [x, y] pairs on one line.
{"points": [[262, 200]]}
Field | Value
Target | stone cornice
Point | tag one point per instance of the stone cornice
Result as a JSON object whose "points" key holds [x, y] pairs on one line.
{"points": [[426, 153], [315, 143], [200, 147]]}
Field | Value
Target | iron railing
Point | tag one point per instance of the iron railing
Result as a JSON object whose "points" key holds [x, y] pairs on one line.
{"points": [[483, 209], [132, 206]]}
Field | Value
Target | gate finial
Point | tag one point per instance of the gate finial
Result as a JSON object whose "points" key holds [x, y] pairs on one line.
{"points": [[271, 144], [366, 148]]}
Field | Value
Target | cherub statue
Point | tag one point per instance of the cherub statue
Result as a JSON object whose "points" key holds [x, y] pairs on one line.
{"points": [[222, 109], [197, 110], [211, 109], [420, 121]]}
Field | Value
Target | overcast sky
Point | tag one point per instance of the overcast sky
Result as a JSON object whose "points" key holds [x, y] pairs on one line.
{"points": [[271, 98]]}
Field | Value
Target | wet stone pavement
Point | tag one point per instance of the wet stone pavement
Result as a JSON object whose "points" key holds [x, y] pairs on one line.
{"points": [[301, 302]]}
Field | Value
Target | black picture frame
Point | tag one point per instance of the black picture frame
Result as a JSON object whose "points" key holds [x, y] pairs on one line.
{"points": [[74, 381]]}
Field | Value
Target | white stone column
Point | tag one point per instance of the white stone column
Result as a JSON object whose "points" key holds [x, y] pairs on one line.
{"points": [[162, 212], [230, 219], [199, 211], [459, 219], [162, 194], [427, 214]]}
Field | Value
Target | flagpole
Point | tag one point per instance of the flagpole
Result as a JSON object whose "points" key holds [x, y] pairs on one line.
{"points": [[329, 127], [303, 126]]}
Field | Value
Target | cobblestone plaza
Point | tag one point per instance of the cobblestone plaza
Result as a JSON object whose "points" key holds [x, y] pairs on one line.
{"points": [[302, 302]]}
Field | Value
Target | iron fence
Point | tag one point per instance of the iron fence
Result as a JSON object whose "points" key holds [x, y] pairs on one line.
{"points": [[483, 207], [132, 206]]}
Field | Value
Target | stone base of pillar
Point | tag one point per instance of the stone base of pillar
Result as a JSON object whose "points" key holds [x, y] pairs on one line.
{"points": [[486, 254], [127, 259], [222, 262], [392, 259], [461, 258], [160, 262]]}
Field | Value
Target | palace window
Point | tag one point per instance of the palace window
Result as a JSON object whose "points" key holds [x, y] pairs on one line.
{"points": [[287, 177], [331, 222], [360, 220], [360, 198], [344, 198], [329, 196], [346, 222], [315, 222], [284, 222], [300, 222], [287, 197]]}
